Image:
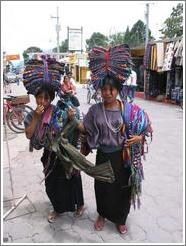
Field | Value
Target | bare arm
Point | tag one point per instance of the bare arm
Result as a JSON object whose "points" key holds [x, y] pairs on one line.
{"points": [[29, 131], [81, 127]]}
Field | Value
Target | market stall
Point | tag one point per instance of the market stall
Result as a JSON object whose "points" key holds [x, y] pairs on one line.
{"points": [[163, 75]]}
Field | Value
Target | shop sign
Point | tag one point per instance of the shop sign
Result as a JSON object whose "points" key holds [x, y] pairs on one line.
{"points": [[12, 57]]}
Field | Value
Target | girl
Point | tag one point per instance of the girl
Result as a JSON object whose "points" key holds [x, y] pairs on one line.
{"points": [[106, 130], [64, 194]]}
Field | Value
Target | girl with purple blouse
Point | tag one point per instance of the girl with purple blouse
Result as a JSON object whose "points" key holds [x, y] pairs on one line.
{"points": [[104, 127]]}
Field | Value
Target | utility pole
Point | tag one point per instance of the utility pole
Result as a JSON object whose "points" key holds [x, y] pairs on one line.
{"points": [[147, 24], [58, 28]]}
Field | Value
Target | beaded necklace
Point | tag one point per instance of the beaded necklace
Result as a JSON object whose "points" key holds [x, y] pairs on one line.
{"points": [[116, 126]]}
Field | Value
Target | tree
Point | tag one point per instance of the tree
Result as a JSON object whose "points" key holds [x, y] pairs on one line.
{"points": [[127, 36], [137, 34], [116, 39], [97, 39], [25, 56], [63, 47], [32, 49], [173, 26]]}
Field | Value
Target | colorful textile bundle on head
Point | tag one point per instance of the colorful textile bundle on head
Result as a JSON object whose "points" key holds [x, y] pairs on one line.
{"points": [[115, 61], [137, 123], [39, 71]]}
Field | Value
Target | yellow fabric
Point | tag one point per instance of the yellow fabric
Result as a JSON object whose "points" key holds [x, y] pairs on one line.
{"points": [[155, 58], [151, 60]]}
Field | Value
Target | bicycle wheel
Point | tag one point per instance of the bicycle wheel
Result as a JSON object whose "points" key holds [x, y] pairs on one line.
{"points": [[88, 97], [10, 123], [15, 118], [21, 112], [28, 108]]}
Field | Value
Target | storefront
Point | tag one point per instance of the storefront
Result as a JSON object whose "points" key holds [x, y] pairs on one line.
{"points": [[79, 66], [163, 75], [137, 55]]}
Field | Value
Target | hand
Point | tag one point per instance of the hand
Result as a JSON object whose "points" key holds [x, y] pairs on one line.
{"points": [[39, 110], [71, 113], [83, 138], [85, 149], [133, 140]]}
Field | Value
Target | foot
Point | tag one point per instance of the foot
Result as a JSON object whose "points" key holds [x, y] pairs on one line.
{"points": [[52, 216], [122, 229], [99, 224], [79, 212]]}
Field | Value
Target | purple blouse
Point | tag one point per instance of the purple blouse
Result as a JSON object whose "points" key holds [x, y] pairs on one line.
{"points": [[100, 135]]}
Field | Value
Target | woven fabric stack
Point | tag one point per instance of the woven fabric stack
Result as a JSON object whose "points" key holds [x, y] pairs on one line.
{"points": [[115, 61], [47, 70]]}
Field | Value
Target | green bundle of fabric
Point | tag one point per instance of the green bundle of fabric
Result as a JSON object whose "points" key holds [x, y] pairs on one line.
{"points": [[71, 158]]}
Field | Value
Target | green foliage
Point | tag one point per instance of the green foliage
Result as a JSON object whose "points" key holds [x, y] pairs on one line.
{"points": [[136, 36], [97, 39], [115, 39], [127, 36], [173, 26], [25, 56], [63, 48], [31, 49]]}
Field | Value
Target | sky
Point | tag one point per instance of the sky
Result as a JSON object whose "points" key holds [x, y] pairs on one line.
{"points": [[29, 23]]}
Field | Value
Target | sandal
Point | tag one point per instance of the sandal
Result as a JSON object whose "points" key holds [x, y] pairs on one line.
{"points": [[52, 216], [79, 212], [122, 229], [99, 224]]}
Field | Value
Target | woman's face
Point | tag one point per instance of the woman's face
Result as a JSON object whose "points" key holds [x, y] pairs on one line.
{"points": [[66, 79], [109, 93], [43, 100]]}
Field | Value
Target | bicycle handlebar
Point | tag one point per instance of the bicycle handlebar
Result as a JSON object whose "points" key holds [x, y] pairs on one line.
{"points": [[9, 97]]}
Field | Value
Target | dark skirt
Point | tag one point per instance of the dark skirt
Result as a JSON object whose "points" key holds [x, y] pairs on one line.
{"points": [[113, 200], [65, 194]]}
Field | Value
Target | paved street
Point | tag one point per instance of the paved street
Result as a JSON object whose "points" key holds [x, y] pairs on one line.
{"points": [[160, 219]]}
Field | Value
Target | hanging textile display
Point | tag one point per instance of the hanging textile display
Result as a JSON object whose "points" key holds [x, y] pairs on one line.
{"points": [[160, 56], [146, 58], [178, 54], [163, 61], [169, 53]]}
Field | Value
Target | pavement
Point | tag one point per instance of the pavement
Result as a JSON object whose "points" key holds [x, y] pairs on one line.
{"points": [[159, 220]]}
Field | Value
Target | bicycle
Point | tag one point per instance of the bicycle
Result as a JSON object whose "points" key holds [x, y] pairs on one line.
{"points": [[93, 94], [15, 111]]}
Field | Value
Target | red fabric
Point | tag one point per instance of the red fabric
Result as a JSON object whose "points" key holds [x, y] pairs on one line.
{"points": [[67, 87], [107, 59]]}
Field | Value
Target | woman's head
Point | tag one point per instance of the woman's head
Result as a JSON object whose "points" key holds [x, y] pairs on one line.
{"points": [[65, 79], [110, 88], [45, 95]]}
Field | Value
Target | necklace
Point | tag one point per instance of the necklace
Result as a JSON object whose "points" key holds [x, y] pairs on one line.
{"points": [[115, 126]]}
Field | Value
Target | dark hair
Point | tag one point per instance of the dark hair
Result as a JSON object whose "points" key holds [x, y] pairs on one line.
{"points": [[65, 77], [47, 90], [109, 80]]}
